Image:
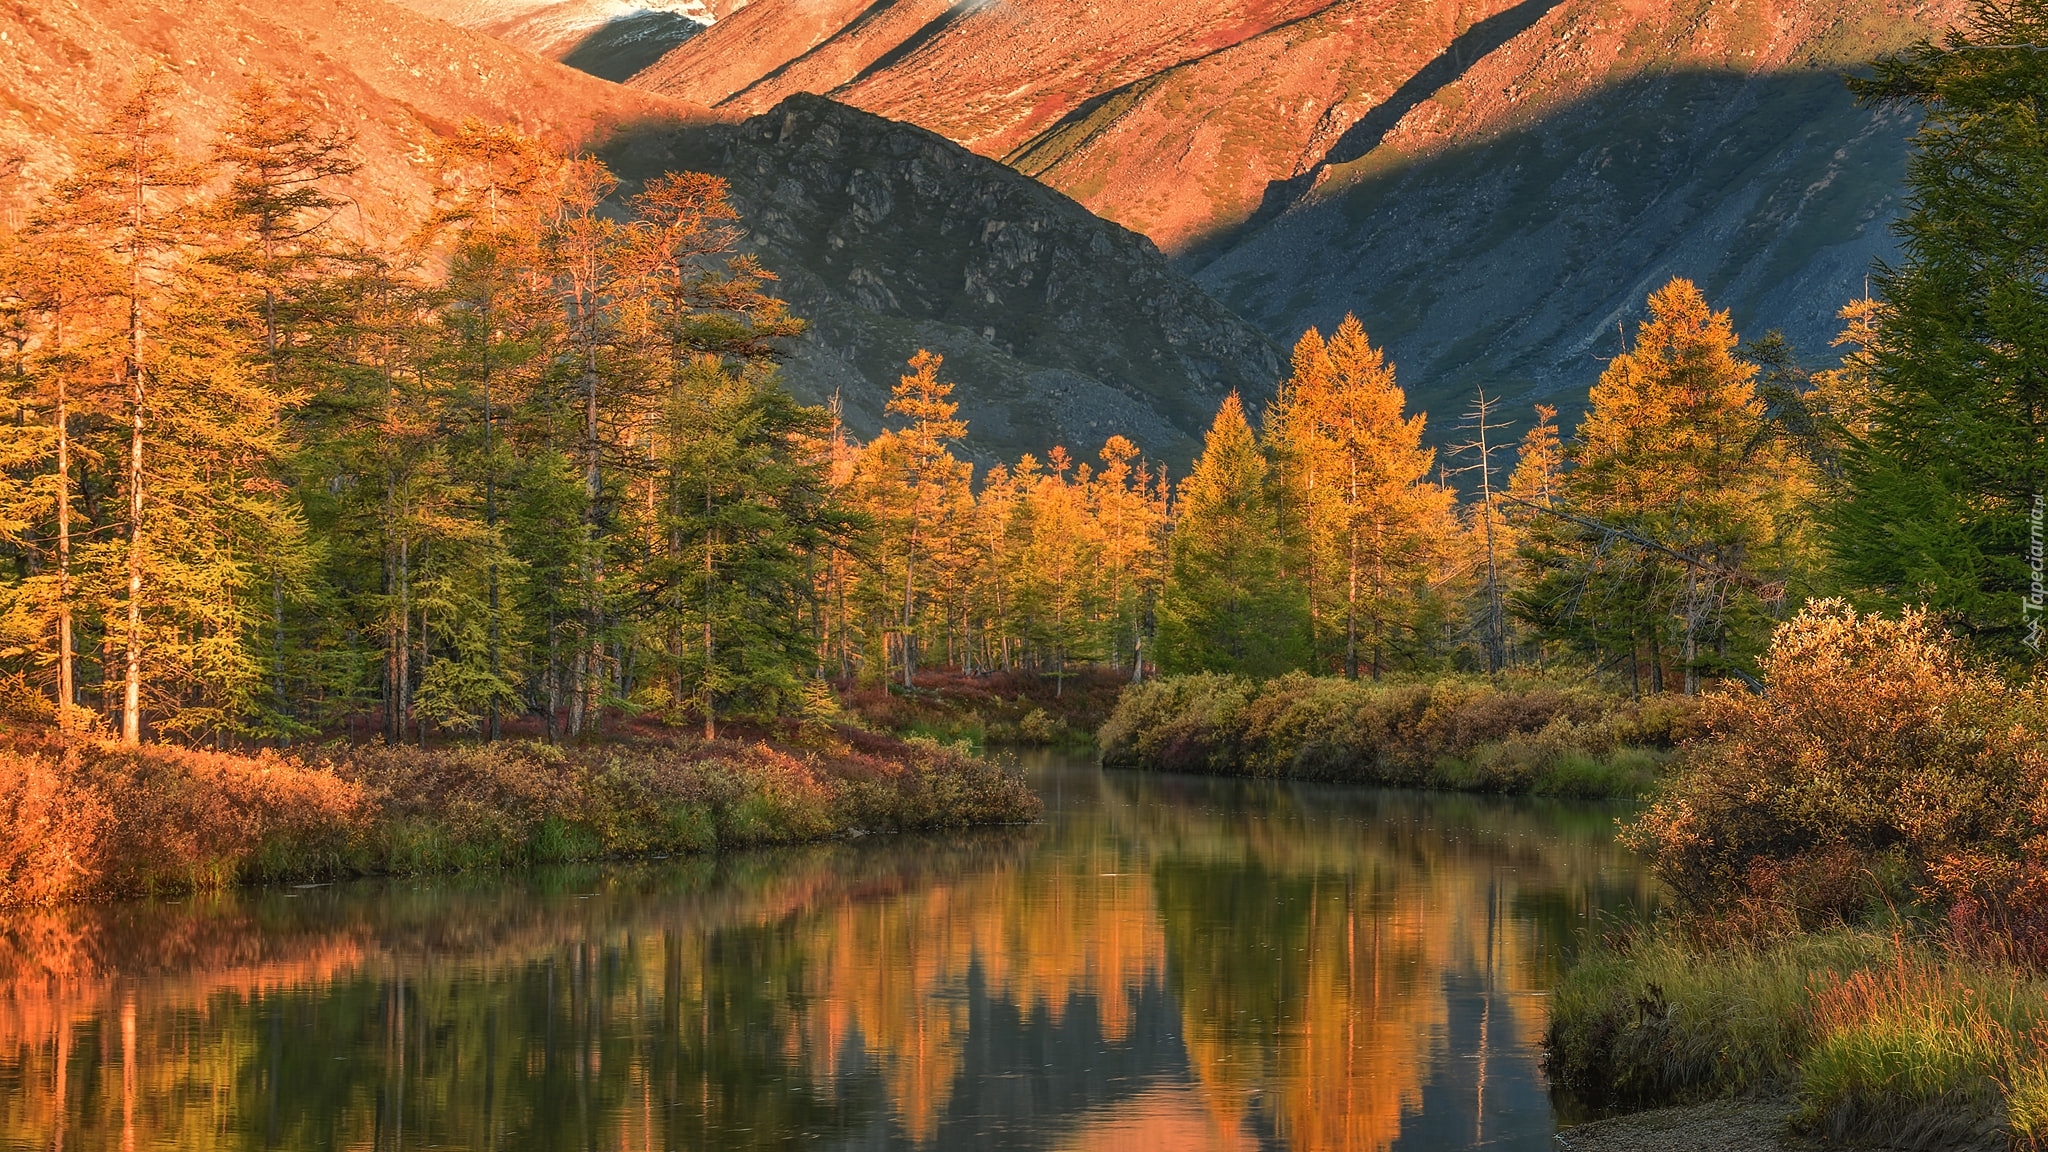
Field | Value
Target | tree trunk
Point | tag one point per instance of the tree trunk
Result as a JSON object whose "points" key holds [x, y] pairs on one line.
{"points": [[131, 696], [710, 716], [909, 640], [67, 678], [1351, 619]]}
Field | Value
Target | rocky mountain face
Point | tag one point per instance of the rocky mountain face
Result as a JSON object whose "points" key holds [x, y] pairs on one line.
{"points": [[1501, 228], [1059, 327], [1490, 184], [397, 78]]}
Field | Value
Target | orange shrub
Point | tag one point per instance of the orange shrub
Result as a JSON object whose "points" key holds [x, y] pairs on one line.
{"points": [[106, 820], [1878, 764]]}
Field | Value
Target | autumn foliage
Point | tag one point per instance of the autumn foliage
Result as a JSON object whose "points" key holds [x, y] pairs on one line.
{"points": [[104, 820], [1878, 764]]}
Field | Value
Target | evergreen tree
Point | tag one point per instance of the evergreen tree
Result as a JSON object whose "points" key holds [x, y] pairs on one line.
{"points": [[1671, 462], [1356, 477], [909, 481], [1227, 605], [128, 197], [1942, 486]]}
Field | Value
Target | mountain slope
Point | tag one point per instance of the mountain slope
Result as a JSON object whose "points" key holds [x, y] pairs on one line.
{"points": [[1498, 232], [989, 75], [1059, 327], [397, 77], [1490, 184]]}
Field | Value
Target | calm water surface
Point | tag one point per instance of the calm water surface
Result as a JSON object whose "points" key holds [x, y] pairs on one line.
{"points": [[1163, 963]]}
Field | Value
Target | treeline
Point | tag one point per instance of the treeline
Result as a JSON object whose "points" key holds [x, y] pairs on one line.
{"points": [[263, 478]]}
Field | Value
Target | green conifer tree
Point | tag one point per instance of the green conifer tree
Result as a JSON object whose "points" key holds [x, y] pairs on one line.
{"points": [[1227, 605], [1944, 488]]}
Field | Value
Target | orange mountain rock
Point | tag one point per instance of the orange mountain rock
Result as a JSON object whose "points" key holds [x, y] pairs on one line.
{"points": [[397, 77]]}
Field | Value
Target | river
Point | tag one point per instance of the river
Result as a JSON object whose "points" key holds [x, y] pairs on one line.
{"points": [[1162, 963]]}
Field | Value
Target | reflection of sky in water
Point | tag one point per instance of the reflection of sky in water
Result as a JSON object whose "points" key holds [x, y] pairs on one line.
{"points": [[1165, 963]]}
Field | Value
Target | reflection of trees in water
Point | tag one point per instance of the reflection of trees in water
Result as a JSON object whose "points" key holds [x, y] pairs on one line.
{"points": [[1293, 942]]}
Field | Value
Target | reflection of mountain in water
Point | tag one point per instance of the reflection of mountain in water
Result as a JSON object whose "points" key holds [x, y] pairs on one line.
{"points": [[1164, 963]]}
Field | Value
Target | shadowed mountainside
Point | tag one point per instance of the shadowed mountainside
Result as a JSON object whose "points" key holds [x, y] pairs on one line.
{"points": [[1060, 328], [1514, 261], [1491, 185]]}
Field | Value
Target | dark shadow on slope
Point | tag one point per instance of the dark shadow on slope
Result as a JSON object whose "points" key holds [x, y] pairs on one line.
{"points": [[917, 40], [1509, 262], [623, 46], [853, 27], [1469, 48]]}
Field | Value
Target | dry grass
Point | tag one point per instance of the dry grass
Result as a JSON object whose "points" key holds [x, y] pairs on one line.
{"points": [[1882, 1038], [103, 820]]}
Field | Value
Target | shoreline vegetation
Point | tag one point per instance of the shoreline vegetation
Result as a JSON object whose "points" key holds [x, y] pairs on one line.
{"points": [[1857, 860], [1515, 734], [103, 821]]}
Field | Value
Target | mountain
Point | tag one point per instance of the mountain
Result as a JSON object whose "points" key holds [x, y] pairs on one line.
{"points": [[1490, 184], [1497, 229], [397, 77], [1060, 327]]}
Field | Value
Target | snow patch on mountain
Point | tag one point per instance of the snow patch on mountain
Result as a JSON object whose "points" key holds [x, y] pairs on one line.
{"points": [[555, 28]]}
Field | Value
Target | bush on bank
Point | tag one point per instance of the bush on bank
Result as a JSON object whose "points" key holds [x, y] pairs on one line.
{"points": [[1467, 732], [1863, 907], [106, 820]]}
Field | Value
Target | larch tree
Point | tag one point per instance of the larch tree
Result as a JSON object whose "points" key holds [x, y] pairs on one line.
{"points": [[274, 219], [1355, 469], [917, 491], [1129, 509], [1672, 460], [1228, 605], [129, 195]]}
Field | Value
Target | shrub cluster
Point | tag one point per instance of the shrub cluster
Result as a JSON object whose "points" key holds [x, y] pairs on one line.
{"points": [[1520, 735], [1859, 855], [1879, 768], [103, 820], [1016, 708]]}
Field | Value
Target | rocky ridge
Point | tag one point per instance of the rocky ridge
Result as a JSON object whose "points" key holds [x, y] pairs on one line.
{"points": [[1060, 327], [1492, 185]]}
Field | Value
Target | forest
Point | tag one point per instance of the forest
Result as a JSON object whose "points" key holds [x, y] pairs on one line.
{"points": [[266, 479]]}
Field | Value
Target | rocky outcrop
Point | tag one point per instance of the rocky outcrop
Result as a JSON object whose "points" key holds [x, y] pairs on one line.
{"points": [[1059, 327]]}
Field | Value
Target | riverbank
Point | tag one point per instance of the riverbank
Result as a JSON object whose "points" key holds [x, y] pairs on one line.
{"points": [[105, 821], [1875, 1038], [1518, 734], [1856, 856]]}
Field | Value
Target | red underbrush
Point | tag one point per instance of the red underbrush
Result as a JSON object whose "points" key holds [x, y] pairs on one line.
{"points": [[98, 820], [1017, 707]]}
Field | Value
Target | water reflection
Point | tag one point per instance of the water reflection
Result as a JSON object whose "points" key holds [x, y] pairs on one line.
{"points": [[1163, 963]]}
